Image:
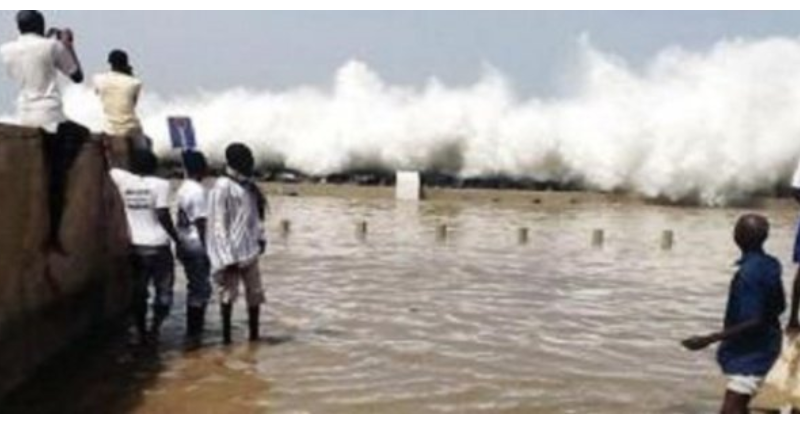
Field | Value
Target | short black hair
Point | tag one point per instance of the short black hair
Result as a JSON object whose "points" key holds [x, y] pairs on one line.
{"points": [[751, 231], [240, 158], [118, 59], [195, 163], [30, 22], [143, 162]]}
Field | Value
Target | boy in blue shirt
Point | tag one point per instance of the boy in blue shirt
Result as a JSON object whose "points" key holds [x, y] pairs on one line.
{"points": [[752, 336]]}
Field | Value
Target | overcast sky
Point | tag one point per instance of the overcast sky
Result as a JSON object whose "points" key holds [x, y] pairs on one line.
{"points": [[183, 52]]}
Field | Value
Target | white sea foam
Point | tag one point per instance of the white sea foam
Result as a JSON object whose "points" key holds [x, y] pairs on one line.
{"points": [[713, 126]]}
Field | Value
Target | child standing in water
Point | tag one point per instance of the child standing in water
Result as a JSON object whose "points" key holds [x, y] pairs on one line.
{"points": [[192, 216], [751, 338], [236, 237]]}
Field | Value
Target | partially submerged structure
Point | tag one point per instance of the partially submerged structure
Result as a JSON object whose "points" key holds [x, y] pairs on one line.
{"points": [[48, 300], [409, 186]]}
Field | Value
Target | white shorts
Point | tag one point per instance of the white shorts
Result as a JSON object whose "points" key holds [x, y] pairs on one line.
{"points": [[747, 385]]}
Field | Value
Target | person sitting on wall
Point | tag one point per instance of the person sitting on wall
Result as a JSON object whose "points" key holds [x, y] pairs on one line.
{"points": [[151, 228], [119, 92], [236, 238], [752, 337], [33, 61]]}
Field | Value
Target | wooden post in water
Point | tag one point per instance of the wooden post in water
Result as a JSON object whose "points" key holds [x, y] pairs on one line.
{"points": [[598, 238], [286, 228], [667, 240], [523, 236], [362, 230], [441, 233]]}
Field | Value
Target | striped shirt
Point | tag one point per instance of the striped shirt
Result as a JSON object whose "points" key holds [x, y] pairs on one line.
{"points": [[234, 227]]}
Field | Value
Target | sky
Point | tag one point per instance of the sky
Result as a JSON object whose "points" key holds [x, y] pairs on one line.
{"points": [[181, 53]]}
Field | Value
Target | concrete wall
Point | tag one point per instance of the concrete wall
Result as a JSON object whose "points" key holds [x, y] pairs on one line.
{"points": [[48, 300]]}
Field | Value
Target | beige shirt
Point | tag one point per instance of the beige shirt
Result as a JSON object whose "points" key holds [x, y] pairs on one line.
{"points": [[119, 94], [33, 62]]}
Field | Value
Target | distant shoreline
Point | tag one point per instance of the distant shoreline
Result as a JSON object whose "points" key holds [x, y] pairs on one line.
{"points": [[536, 198]]}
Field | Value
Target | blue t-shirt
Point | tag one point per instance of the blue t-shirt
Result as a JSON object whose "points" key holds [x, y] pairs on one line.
{"points": [[756, 292]]}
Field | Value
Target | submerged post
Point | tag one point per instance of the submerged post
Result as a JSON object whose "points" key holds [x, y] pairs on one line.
{"points": [[441, 233], [361, 230], [286, 228], [667, 240], [598, 238], [523, 236]]}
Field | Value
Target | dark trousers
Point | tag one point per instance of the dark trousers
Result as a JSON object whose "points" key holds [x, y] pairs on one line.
{"points": [[152, 265], [60, 151], [198, 273]]}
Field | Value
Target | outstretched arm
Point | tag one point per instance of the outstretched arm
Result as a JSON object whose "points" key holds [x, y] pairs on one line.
{"points": [[702, 342]]}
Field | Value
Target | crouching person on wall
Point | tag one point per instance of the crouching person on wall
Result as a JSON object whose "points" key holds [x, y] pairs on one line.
{"points": [[236, 239]]}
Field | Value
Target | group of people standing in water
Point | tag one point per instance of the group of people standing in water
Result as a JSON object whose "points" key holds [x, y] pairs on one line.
{"points": [[219, 234]]}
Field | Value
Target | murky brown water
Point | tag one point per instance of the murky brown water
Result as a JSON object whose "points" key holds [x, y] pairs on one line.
{"points": [[401, 322]]}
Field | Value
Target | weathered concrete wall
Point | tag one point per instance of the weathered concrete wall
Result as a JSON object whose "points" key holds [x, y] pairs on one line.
{"points": [[49, 300]]}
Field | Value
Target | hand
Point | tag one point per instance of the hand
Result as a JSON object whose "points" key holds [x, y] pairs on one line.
{"points": [[697, 343], [67, 37]]}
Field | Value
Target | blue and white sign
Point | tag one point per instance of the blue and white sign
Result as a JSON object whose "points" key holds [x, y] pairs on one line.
{"points": [[181, 131]]}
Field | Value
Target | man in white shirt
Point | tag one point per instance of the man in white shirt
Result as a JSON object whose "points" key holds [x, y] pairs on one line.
{"points": [[119, 92], [192, 216], [33, 61], [236, 237], [146, 199]]}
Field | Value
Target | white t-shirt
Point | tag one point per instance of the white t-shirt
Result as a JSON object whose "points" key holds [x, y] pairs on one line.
{"points": [[143, 196], [119, 93], [192, 206], [33, 62]]}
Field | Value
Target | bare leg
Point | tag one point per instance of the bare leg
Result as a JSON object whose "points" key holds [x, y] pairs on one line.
{"points": [[736, 403]]}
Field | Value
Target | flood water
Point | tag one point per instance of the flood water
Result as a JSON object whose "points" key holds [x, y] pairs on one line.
{"points": [[401, 321]]}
